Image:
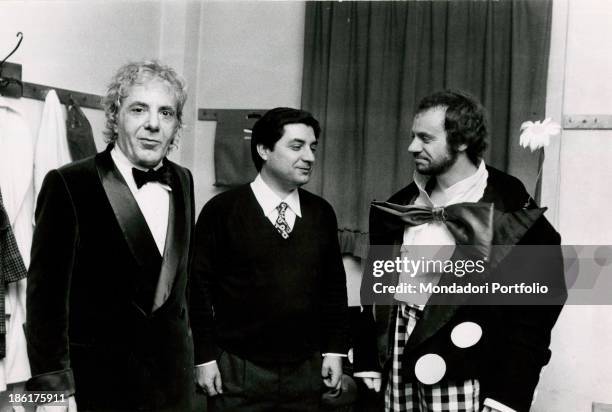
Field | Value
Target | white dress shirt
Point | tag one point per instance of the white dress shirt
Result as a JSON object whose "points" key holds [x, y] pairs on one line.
{"points": [[469, 189], [268, 200], [153, 198], [51, 150], [433, 233]]}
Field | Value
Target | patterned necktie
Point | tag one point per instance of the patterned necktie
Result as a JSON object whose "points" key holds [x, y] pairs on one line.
{"points": [[281, 224]]}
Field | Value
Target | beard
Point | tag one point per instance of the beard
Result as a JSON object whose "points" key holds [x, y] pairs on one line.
{"points": [[438, 166]]}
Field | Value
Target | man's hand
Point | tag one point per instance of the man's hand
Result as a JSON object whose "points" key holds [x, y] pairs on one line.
{"points": [[331, 371], [372, 383], [72, 407], [489, 409], [208, 378]]}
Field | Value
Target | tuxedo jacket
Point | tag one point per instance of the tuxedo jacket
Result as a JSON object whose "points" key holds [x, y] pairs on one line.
{"points": [[95, 266], [513, 348]]}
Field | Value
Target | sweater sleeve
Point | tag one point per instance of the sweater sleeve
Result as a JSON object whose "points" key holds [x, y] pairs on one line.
{"points": [[201, 310], [366, 332], [334, 306]]}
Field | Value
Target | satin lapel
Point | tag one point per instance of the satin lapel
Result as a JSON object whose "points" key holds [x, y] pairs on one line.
{"points": [[135, 230], [133, 224], [168, 266], [433, 318], [176, 238], [182, 223], [509, 229]]}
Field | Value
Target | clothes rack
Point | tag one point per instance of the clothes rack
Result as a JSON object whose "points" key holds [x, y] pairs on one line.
{"points": [[11, 85]]}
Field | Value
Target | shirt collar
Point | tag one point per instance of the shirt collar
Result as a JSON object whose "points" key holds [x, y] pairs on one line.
{"points": [[125, 168], [463, 186], [268, 200]]}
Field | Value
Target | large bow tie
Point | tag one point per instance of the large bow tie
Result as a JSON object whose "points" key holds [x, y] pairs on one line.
{"points": [[471, 224], [161, 175]]}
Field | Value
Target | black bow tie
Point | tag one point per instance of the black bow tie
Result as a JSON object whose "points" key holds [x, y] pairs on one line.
{"points": [[470, 224], [161, 175]]}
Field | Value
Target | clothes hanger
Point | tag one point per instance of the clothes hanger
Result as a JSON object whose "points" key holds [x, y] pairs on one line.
{"points": [[5, 82]]}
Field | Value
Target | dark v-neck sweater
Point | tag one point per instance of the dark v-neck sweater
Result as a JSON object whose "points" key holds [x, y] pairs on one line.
{"points": [[260, 296]]}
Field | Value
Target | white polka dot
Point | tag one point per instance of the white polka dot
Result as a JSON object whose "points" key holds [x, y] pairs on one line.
{"points": [[466, 334], [430, 368]]}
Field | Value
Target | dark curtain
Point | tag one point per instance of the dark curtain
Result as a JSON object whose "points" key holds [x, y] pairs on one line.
{"points": [[367, 64]]}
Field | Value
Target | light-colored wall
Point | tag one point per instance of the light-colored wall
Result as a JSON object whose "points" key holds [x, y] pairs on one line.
{"points": [[250, 58], [179, 45], [77, 45], [578, 190]]}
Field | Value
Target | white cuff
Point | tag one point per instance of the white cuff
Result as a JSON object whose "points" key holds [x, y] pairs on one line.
{"points": [[497, 405], [367, 374], [343, 355], [206, 363]]}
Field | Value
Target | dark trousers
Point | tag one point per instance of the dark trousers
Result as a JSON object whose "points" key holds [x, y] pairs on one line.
{"points": [[279, 387]]}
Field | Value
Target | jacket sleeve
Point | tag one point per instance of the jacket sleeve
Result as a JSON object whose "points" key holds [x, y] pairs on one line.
{"points": [[521, 348], [201, 310], [334, 306], [48, 290], [367, 334]]}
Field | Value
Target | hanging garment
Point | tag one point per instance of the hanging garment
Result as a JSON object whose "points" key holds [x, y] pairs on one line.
{"points": [[16, 186], [52, 144], [12, 268], [80, 137], [233, 164]]}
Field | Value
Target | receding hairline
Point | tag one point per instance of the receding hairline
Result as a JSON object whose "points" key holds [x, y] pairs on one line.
{"points": [[442, 107]]}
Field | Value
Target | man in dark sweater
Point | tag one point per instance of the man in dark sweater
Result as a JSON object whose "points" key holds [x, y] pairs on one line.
{"points": [[268, 298]]}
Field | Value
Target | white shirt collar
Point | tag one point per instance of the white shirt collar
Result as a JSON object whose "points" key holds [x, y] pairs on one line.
{"points": [[453, 193], [268, 200], [125, 168]]}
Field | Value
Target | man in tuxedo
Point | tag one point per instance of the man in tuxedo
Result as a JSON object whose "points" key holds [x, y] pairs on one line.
{"points": [[107, 320], [451, 352], [268, 290]]}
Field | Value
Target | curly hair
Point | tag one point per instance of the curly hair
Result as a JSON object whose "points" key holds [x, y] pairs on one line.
{"points": [[139, 73], [465, 121]]}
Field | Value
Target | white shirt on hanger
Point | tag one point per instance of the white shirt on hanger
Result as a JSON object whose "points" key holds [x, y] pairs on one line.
{"points": [[52, 143], [16, 183]]}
